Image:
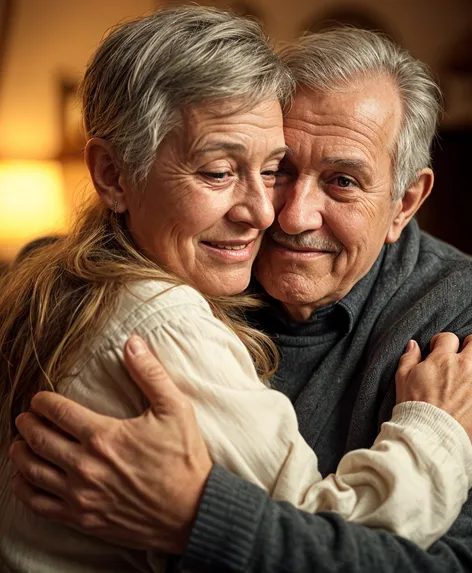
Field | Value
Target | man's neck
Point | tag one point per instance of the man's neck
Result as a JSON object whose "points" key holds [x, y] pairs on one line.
{"points": [[300, 312]]}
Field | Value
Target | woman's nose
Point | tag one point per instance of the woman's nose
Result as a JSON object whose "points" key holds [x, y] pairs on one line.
{"points": [[255, 208]]}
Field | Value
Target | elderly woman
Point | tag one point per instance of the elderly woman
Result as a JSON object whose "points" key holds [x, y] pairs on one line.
{"points": [[183, 110]]}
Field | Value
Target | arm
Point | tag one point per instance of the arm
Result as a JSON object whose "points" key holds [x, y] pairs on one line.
{"points": [[162, 479], [269, 537], [240, 530], [413, 481]]}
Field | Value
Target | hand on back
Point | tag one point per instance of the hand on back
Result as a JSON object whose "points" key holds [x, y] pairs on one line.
{"points": [[443, 379]]}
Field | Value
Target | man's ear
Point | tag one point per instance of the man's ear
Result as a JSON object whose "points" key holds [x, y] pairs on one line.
{"points": [[409, 204], [105, 174]]}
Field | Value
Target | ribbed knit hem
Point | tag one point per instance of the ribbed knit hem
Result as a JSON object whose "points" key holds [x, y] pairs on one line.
{"points": [[438, 425], [225, 530]]}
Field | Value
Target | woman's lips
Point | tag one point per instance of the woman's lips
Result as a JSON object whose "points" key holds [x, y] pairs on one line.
{"points": [[237, 251]]}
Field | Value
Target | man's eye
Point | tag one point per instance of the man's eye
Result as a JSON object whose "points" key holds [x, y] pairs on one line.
{"points": [[344, 182]]}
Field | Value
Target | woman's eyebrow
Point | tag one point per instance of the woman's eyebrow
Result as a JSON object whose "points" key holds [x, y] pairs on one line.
{"points": [[220, 146], [279, 151]]}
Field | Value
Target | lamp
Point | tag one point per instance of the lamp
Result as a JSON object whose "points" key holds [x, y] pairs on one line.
{"points": [[31, 203]]}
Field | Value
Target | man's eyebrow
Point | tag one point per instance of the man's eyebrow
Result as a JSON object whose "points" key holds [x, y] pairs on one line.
{"points": [[346, 162]]}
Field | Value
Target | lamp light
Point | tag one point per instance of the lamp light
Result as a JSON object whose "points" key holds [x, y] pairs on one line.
{"points": [[31, 203]]}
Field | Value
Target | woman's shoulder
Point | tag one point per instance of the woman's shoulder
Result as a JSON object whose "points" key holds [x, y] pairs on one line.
{"points": [[152, 302]]}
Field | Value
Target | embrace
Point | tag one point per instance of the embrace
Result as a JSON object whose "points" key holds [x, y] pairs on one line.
{"points": [[253, 228]]}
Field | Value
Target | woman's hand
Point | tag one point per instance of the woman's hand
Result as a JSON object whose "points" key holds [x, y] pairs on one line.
{"points": [[443, 379]]}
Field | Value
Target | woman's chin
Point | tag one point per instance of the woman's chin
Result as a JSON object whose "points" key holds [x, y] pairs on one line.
{"points": [[222, 286]]}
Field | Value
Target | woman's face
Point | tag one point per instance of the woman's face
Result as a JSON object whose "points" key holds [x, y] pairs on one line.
{"points": [[208, 197]]}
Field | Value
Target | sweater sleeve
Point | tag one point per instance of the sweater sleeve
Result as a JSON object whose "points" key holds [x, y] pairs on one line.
{"points": [[413, 481], [239, 529]]}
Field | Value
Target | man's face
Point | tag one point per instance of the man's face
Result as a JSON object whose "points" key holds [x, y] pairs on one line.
{"points": [[333, 197]]}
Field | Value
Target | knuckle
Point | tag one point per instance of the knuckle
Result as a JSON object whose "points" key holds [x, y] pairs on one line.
{"points": [[444, 361], [82, 502], [90, 476], [84, 469], [151, 370], [15, 450], [465, 363], [467, 340], [33, 474], [103, 443], [89, 521], [36, 440], [60, 412], [99, 442]]}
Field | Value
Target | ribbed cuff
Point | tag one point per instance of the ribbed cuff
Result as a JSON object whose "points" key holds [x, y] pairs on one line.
{"points": [[437, 425], [225, 530]]}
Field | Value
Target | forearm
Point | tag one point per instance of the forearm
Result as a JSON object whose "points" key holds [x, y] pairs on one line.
{"points": [[240, 529]]}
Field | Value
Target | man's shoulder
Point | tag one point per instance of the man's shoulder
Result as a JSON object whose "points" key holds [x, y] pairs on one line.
{"points": [[429, 284], [443, 254], [443, 268], [419, 263]]}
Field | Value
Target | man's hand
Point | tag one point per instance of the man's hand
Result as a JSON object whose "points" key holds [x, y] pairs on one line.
{"points": [[444, 378], [135, 482]]}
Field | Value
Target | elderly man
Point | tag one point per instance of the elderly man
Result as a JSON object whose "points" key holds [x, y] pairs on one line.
{"points": [[350, 279]]}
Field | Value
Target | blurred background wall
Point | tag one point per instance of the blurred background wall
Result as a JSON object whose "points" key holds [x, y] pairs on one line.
{"points": [[45, 44]]}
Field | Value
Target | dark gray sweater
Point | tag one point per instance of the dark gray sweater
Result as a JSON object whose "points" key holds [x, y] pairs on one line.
{"points": [[338, 369]]}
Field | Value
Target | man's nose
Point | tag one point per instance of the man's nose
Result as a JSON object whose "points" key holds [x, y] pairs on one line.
{"points": [[255, 206], [301, 207]]}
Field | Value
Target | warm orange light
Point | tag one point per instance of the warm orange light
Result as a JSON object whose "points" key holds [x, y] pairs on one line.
{"points": [[31, 203]]}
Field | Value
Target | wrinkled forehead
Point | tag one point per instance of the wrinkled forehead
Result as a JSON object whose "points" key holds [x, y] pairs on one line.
{"points": [[370, 107]]}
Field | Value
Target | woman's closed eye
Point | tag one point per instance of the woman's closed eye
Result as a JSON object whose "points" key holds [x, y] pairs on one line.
{"points": [[216, 174]]}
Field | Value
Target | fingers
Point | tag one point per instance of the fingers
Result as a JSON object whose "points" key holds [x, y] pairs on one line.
{"points": [[150, 375], [445, 342], [466, 344], [72, 418], [409, 359], [36, 471], [39, 502], [46, 442]]}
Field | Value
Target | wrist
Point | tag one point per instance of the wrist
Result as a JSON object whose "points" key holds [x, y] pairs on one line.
{"points": [[437, 425], [227, 522]]}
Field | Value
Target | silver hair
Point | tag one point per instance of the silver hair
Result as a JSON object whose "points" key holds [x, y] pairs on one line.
{"points": [[334, 58], [148, 69]]}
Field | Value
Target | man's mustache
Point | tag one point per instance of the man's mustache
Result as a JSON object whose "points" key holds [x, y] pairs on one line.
{"points": [[306, 240]]}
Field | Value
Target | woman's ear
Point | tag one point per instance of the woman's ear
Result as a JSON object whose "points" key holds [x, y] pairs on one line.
{"points": [[105, 174], [409, 204]]}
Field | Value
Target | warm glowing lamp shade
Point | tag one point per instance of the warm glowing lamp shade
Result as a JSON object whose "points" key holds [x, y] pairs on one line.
{"points": [[31, 203]]}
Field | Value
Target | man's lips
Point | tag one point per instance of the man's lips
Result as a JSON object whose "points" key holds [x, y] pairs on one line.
{"points": [[301, 249], [298, 252]]}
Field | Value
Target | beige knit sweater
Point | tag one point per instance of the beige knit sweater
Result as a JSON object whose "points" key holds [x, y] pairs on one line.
{"points": [[412, 482]]}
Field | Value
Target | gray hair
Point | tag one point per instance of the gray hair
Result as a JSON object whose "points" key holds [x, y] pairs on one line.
{"points": [[332, 59], [148, 69]]}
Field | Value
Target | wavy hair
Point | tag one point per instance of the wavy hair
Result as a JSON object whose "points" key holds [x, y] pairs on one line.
{"points": [[57, 298], [333, 59]]}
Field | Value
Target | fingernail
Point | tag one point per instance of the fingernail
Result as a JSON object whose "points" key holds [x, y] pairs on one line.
{"points": [[410, 346], [137, 346]]}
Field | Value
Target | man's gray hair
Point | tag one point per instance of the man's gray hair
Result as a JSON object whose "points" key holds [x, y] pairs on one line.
{"points": [[148, 69], [330, 60]]}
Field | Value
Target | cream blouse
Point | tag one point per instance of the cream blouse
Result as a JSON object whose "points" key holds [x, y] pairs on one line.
{"points": [[413, 481]]}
